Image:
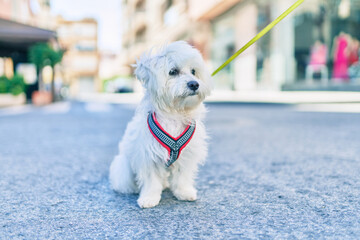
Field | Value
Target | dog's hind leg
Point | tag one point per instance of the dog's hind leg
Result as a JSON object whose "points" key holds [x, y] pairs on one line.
{"points": [[121, 177]]}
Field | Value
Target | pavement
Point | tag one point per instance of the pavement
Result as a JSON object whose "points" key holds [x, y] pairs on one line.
{"points": [[274, 171]]}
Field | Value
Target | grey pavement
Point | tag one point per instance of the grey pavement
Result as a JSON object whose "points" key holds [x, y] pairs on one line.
{"points": [[272, 173]]}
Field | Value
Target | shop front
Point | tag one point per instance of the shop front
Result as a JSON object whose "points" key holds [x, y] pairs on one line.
{"points": [[315, 48], [230, 31], [326, 46], [15, 41]]}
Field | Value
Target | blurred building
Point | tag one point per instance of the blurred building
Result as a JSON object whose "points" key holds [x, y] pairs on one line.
{"points": [[152, 23], [108, 65], [30, 12], [325, 38], [23, 23], [314, 48], [81, 60]]}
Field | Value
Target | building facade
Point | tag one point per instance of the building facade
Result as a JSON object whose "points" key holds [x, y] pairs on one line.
{"points": [[23, 23], [315, 47], [35, 13], [80, 65], [326, 46], [152, 23]]}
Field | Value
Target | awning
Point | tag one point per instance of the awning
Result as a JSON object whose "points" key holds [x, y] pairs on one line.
{"points": [[18, 36]]}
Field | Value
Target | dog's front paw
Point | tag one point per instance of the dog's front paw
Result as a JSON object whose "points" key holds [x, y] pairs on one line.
{"points": [[148, 201], [187, 194]]}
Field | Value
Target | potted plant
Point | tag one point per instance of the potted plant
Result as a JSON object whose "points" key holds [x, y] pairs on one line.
{"points": [[12, 91]]}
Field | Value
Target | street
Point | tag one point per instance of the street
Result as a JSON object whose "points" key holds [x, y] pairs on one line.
{"points": [[272, 172]]}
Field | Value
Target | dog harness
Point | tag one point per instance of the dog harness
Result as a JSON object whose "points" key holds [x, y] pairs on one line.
{"points": [[173, 145]]}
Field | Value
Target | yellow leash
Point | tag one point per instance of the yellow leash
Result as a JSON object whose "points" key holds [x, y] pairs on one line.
{"points": [[259, 35]]}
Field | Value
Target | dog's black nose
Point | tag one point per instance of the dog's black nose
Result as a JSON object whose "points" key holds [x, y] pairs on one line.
{"points": [[193, 85]]}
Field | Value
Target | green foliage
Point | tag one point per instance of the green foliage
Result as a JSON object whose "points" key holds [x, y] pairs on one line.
{"points": [[42, 54], [4, 84], [37, 55], [54, 57], [15, 85]]}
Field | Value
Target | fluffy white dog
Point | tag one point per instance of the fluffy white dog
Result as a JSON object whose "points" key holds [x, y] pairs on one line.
{"points": [[166, 140]]}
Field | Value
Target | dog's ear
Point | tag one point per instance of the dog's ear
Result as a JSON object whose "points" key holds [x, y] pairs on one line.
{"points": [[143, 70]]}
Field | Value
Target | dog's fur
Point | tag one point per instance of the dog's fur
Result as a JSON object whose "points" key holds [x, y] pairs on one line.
{"points": [[140, 166]]}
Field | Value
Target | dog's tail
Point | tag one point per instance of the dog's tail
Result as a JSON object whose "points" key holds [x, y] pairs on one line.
{"points": [[121, 176]]}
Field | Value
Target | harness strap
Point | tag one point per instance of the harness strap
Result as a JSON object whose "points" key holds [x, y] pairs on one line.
{"points": [[173, 145]]}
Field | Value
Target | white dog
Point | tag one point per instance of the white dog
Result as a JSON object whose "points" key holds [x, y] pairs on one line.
{"points": [[166, 140]]}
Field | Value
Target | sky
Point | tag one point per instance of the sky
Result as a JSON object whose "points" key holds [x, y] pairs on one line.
{"points": [[106, 12]]}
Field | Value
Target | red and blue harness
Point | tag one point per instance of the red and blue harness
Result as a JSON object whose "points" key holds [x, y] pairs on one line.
{"points": [[173, 145]]}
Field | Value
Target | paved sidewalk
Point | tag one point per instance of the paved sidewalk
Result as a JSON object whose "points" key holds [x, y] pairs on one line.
{"points": [[273, 172]]}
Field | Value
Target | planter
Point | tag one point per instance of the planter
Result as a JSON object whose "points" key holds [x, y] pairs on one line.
{"points": [[7, 99], [41, 98]]}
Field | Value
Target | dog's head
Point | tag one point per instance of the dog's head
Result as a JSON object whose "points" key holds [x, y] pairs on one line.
{"points": [[175, 77]]}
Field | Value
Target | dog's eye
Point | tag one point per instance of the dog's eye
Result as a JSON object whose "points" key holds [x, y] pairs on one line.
{"points": [[193, 71], [174, 72]]}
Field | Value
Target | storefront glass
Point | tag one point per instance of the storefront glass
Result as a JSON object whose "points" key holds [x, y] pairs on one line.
{"points": [[223, 46], [327, 35], [263, 45], [316, 47]]}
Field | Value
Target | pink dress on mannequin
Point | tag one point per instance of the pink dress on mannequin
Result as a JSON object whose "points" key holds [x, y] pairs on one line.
{"points": [[341, 61], [318, 55]]}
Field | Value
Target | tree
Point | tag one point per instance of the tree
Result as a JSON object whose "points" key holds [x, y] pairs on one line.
{"points": [[42, 54], [54, 57], [37, 57]]}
